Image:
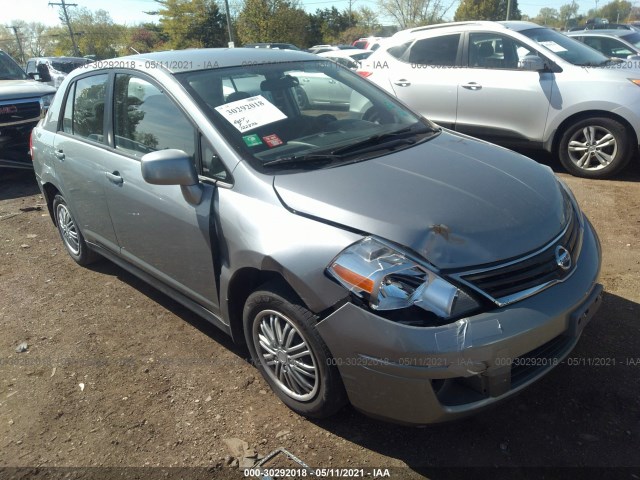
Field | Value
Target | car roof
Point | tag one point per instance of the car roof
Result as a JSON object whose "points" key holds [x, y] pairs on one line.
{"points": [[61, 59], [176, 61], [602, 33], [471, 25]]}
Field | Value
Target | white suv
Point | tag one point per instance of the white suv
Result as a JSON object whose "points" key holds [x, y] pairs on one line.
{"points": [[520, 85]]}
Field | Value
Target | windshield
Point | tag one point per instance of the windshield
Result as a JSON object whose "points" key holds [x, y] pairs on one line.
{"points": [[632, 38], [303, 114], [9, 69], [567, 48]]}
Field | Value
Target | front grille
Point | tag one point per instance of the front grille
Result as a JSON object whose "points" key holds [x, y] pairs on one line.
{"points": [[504, 282], [18, 112], [542, 358]]}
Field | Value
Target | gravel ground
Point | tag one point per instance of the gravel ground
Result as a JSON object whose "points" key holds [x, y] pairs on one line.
{"points": [[115, 374]]}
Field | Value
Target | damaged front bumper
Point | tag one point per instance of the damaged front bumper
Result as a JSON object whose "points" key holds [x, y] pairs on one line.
{"points": [[421, 375]]}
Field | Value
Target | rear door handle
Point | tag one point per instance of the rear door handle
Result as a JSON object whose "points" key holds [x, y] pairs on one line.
{"points": [[114, 177], [472, 86], [402, 82], [59, 154]]}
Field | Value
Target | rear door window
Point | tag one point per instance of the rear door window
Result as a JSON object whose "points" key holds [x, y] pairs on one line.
{"points": [[437, 51], [84, 109]]}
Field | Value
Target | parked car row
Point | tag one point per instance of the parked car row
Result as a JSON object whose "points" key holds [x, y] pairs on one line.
{"points": [[22, 102], [52, 70], [361, 252], [517, 84], [621, 44]]}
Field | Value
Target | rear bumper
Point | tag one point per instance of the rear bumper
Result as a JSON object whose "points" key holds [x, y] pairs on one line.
{"points": [[417, 375]]}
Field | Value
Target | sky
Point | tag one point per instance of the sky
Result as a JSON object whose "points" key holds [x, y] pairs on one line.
{"points": [[131, 12]]}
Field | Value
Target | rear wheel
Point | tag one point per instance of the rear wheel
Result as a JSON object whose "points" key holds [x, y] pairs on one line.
{"points": [[301, 98], [290, 354], [596, 147], [70, 233]]}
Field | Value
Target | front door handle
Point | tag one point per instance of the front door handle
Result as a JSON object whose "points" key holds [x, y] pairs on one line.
{"points": [[402, 82], [472, 86], [114, 177], [59, 154]]}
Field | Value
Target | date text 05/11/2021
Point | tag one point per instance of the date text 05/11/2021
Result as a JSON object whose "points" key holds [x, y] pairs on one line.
{"points": [[317, 472]]}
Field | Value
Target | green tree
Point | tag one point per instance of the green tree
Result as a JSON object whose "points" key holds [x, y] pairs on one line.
{"points": [[193, 23], [616, 11], [96, 34], [334, 22], [547, 16], [413, 13], [487, 10], [147, 38], [568, 13], [367, 18], [272, 21], [34, 37]]}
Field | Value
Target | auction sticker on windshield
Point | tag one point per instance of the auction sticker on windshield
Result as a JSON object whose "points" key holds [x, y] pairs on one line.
{"points": [[553, 46], [250, 113]]}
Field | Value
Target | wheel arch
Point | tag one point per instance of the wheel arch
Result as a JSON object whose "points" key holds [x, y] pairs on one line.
{"points": [[50, 191], [576, 117], [244, 282]]}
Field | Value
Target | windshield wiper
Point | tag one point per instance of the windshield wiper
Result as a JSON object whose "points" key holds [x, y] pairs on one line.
{"points": [[378, 141], [310, 160], [387, 140]]}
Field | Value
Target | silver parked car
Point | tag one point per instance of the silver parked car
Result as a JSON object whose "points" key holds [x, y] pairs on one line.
{"points": [[419, 274], [612, 43], [517, 84]]}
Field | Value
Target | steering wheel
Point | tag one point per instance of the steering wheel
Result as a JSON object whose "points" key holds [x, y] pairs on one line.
{"points": [[314, 125]]}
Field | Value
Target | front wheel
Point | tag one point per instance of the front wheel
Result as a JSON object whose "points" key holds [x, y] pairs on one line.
{"points": [[595, 147], [290, 354]]}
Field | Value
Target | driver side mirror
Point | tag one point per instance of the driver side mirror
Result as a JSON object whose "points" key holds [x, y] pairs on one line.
{"points": [[172, 167], [532, 63], [43, 73]]}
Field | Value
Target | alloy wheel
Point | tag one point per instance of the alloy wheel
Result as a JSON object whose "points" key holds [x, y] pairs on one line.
{"points": [[68, 229], [592, 147], [285, 355]]}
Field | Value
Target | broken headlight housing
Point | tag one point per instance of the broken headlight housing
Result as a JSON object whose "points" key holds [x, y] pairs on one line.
{"points": [[388, 280]]}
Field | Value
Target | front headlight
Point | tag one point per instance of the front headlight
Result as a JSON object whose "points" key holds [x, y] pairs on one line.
{"points": [[45, 101], [388, 280]]}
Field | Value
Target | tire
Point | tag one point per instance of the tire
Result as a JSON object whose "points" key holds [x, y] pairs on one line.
{"points": [[596, 147], [70, 234], [301, 98], [311, 386]]}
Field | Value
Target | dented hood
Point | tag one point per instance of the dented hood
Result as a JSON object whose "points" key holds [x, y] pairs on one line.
{"points": [[456, 201]]}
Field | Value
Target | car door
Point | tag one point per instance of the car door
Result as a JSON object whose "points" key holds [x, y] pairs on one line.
{"points": [[497, 98], [613, 48], [426, 78], [316, 86], [157, 229], [81, 158]]}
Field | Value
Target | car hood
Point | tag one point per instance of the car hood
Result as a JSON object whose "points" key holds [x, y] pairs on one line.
{"points": [[15, 89], [454, 200]]}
